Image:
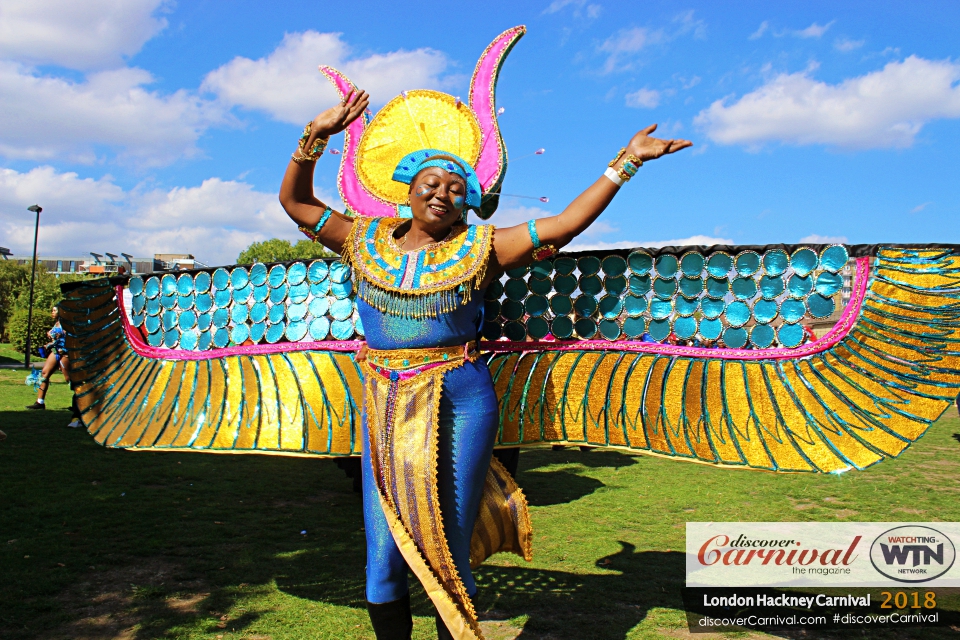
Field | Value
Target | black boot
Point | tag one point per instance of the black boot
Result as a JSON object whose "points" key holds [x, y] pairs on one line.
{"points": [[391, 620]]}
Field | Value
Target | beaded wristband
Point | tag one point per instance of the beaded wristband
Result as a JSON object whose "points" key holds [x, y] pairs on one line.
{"points": [[631, 164], [617, 157], [315, 234], [614, 177], [540, 252], [301, 155]]}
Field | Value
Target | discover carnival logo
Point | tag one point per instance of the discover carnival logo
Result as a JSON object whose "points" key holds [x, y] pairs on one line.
{"points": [[743, 550], [912, 554]]}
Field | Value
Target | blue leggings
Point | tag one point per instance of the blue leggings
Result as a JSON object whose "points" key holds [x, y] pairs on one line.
{"points": [[468, 427]]}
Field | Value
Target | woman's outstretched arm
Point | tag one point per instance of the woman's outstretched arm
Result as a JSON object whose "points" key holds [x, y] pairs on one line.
{"points": [[296, 191], [513, 246]]}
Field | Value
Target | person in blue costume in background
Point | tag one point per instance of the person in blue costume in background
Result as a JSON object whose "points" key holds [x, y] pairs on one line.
{"points": [[430, 317]]}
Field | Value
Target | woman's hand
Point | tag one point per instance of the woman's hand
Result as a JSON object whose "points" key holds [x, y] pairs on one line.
{"points": [[337, 118], [647, 148]]}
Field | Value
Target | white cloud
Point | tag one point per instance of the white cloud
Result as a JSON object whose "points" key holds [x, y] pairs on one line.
{"points": [[625, 43], [686, 23], [643, 99], [814, 30], [920, 207], [818, 239], [885, 108], [580, 8], [559, 5], [214, 221], [622, 47], [630, 244], [46, 118], [762, 29], [846, 45], [67, 194], [93, 34], [287, 85]]}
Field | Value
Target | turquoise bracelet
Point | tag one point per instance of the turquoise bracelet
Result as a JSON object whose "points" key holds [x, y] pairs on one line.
{"points": [[532, 228], [313, 235], [539, 252], [323, 219]]}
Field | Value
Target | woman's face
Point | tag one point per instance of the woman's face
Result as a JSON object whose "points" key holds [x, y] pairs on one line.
{"points": [[54, 313], [437, 197]]}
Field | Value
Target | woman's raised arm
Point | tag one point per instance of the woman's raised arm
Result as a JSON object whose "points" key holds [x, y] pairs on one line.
{"points": [[513, 246], [296, 191]]}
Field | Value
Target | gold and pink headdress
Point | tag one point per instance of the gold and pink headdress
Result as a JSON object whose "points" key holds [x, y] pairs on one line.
{"points": [[425, 119]]}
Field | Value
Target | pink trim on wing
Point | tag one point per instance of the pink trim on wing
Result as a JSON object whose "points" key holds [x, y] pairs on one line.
{"points": [[137, 343], [482, 101], [832, 337], [354, 195]]}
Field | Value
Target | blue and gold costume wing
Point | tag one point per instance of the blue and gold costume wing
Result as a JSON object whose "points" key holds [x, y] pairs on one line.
{"points": [[602, 348]]}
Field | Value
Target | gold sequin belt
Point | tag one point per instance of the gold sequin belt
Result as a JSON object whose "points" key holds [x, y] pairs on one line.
{"points": [[408, 359]]}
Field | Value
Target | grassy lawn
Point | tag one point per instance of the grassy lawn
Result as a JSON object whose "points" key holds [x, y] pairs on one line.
{"points": [[98, 543], [9, 355]]}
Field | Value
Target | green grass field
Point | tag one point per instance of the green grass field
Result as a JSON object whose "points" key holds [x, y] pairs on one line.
{"points": [[98, 543], [8, 355]]}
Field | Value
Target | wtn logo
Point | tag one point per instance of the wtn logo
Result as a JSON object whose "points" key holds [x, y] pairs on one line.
{"points": [[912, 554], [897, 554]]}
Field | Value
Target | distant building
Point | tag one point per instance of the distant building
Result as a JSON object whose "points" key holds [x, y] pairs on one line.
{"points": [[174, 261], [110, 264]]}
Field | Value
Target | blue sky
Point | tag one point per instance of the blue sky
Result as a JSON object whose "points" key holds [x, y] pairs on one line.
{"points": [[148, 126]]}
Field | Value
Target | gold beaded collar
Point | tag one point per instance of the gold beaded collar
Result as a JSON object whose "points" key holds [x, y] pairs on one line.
{"points": [[431, 280]]}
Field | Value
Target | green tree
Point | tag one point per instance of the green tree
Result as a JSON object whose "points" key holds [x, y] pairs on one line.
{"points": [[12, 275], [46, 294], [277, 250]]}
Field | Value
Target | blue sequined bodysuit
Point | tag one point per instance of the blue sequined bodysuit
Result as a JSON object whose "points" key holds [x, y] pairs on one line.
{"points": [[467, 429]]}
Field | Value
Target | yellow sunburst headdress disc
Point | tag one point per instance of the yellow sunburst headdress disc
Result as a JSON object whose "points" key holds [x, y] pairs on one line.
{"points": [[425, 119], [420, 119]]}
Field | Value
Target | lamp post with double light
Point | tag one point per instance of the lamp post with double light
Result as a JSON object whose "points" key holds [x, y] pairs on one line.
{"points": [[36, 230]]}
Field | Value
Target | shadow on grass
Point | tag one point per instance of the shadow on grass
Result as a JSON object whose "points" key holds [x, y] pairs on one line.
{"points": [[98, 542], [568, 605], [597, 458], [545, 488]]}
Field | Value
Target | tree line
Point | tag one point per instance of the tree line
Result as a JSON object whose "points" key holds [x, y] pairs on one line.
{"points": [[15, 303]]}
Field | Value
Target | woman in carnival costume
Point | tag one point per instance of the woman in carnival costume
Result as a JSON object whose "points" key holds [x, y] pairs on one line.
{"points": [[429, 403], [57, 358], [419, 407]]}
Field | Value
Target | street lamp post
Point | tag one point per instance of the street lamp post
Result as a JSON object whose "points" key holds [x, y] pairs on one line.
{"points": [[36, 230]]}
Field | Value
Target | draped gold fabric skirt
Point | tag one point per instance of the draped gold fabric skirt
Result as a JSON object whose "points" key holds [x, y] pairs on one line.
{"points": [[402, 405]]}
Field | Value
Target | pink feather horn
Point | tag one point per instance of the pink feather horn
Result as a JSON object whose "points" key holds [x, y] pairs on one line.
{"points": [[355, 195], [492, 164]]}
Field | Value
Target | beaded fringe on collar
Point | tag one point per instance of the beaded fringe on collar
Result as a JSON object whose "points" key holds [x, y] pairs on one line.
{"points": [[425, 283]]}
